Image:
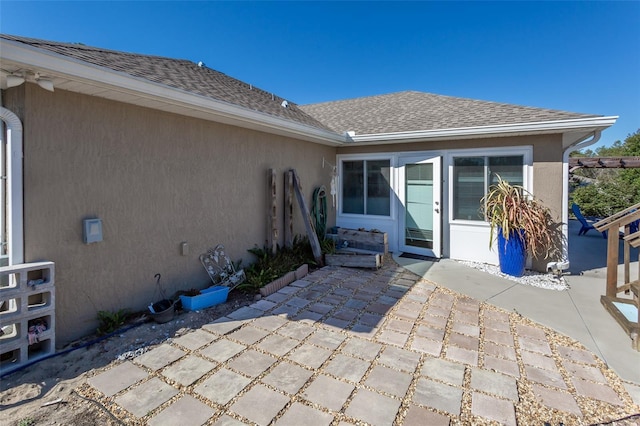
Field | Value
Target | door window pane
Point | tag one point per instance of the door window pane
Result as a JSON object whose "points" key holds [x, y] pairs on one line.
{"points": [[419, 205]]}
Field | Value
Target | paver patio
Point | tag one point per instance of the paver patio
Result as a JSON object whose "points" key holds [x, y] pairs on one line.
{"points": [[353, 346]]}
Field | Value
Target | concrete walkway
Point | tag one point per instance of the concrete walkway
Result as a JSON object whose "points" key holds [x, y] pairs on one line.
{"points": [[347, 346]]}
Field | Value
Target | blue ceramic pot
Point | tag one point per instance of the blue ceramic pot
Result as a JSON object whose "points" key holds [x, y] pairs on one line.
{"points": [[512, 253]]}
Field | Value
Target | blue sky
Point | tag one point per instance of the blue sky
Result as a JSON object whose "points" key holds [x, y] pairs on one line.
{"points": [[574, 56]]}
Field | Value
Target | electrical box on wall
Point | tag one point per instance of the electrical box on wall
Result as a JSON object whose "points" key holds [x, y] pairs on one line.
{"points": [[92, 231]]}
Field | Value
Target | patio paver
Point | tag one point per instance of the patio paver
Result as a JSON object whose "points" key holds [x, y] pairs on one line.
{"points": [[309, 356], [364, 346], [222, 350], [386, 380], [443, 370], [248, 335], [228, 421], [188, 370], [278, 345], [438, 395], [495, 383], [493, 408], [328, 392], [146, 397], [400, 359], [361, 348], [287, 377], [195, 340], [222, 386], [159, 357], [118, 378], [418, 416], [598, 391], [260, 404], [348, 368], [556, 399], [187, 411], [300, 414], [373, 408], [252, 363]]}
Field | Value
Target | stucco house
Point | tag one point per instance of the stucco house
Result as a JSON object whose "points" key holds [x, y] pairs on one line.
{"points": [[165, 151]]}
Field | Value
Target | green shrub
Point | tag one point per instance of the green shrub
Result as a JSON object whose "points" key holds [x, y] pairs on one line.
{"points": [[269, 266], [111, 321]]}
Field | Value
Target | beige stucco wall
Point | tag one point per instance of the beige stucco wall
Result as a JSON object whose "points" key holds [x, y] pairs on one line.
{"points": [[155, 179], [546, 144], [548, 184]]}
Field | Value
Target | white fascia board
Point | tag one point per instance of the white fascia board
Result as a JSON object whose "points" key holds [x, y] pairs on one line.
{"points": [[518, 129], [62, 66]]}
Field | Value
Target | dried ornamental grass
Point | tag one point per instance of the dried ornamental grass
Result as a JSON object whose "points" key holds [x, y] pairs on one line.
{"points": [[511, 209]]}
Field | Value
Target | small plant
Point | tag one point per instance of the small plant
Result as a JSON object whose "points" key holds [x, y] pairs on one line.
{"points": [[111, 321], [27, 422], [269, 266], [328, 246]]}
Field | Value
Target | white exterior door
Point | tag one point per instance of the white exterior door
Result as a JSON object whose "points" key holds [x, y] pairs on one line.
{"points": [[420, 213]]}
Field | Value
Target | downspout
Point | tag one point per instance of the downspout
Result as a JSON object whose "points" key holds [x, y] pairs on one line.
{"points": [[564, 263], [14, 195]]}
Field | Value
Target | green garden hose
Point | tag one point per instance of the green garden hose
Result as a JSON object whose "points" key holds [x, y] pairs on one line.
{"points": [[319, 211]]}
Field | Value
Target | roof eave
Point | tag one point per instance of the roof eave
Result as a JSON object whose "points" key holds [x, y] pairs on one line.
{"points": [[586, 124], [164, 97]]}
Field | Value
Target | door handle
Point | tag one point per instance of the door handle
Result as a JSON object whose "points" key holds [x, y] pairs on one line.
{"points": [[437, 210]]}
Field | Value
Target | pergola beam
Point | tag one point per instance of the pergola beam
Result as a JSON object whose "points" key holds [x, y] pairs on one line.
{"points": [[576, 163]]}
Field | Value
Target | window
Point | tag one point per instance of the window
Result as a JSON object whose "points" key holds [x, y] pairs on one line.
{"points": [[366, 187], [472, 177]]}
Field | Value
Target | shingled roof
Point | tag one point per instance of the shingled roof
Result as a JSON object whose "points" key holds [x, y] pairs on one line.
{"points": [[417, 111], [179, 74], [403, 112]]}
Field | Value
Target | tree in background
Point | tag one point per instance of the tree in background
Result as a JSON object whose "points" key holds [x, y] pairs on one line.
{"points": [[603, 192]]}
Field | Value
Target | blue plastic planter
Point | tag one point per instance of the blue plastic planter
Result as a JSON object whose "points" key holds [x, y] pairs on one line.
{"points": [[209, 297], [512, 253]]}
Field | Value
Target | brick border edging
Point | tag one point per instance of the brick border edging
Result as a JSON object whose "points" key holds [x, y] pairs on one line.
{"points": [[284, 280]]}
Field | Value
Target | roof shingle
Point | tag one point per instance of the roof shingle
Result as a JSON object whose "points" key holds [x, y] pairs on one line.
{"points": [[418, 111], [179, 74]]}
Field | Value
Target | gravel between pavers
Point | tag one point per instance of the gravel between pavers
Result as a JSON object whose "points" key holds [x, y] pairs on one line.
{"points": [[528, 409]]}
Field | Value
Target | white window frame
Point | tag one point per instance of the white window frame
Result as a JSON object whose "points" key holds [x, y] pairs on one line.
{"points": [[392, 184], [527, 170]]}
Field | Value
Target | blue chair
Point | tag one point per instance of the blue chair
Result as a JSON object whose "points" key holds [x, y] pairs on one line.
{"points": [[634, 226], [586, 226]]}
